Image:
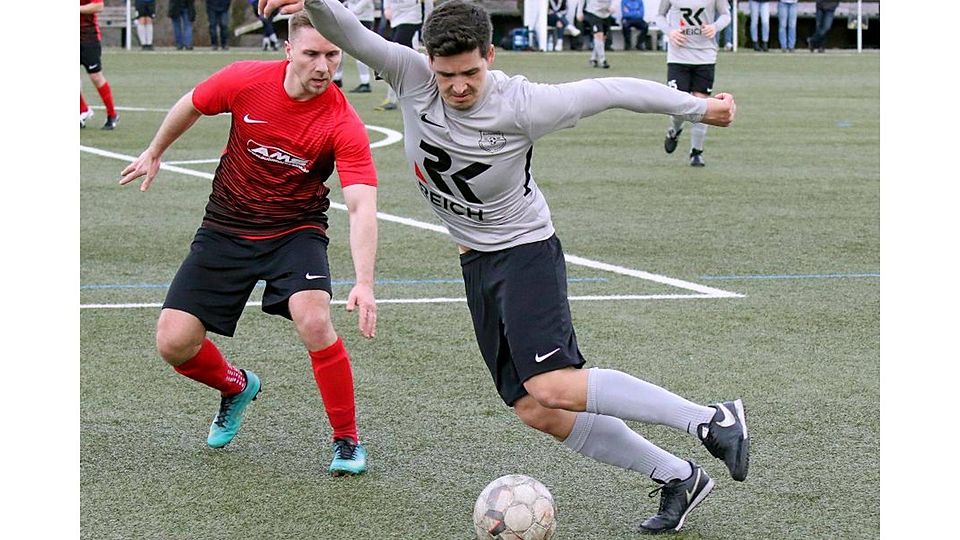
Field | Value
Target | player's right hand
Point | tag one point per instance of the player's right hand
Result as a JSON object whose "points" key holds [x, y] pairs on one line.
{"points": [[147, 164], [721, 110], [286, 7], [677, 38]]}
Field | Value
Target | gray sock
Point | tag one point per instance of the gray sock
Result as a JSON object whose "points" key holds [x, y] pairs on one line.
{"points": [[598, 49], [608, 440], [676, 123], [698, 134], [614, 393]]}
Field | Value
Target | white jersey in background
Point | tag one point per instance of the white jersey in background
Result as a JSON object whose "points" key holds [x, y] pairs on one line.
{"points": [[474, 167], [690, 16], [407, 11], [363, 9]]}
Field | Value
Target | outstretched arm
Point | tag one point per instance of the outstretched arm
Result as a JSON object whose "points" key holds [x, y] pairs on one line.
{"points": [[177, 122], [361, 200], [550, 107]]}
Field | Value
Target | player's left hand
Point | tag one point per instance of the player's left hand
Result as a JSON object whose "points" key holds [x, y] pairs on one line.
{"points": [[148, 164], [362, 296], [721, 110], [286, 7], [708, 30]]}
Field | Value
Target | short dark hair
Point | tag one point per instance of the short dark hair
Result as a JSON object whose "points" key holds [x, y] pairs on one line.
{"points": [[455, 27]]}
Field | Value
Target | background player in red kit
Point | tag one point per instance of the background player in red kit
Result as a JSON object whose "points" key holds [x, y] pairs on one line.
{"points": [[266, 219], [90, 60]]}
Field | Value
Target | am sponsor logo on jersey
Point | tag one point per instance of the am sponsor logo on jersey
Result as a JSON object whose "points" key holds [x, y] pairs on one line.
{"points": [[276, 155], [492, 141]]}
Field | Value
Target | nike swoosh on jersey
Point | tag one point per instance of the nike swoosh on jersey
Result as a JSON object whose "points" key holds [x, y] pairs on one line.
{"points": [[537, 358], [423, 117], [247, 119]]}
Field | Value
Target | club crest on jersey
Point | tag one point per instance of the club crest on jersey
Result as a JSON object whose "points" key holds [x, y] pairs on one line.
{"points": [[276, 155], [492, 141]]}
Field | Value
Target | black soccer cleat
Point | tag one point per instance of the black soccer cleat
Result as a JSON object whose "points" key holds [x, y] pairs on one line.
{"points": [[670, 142], [725, 436], [363, 88], [696, 158], [338, 82], [677, 499], [605, 65], [111, 122]]}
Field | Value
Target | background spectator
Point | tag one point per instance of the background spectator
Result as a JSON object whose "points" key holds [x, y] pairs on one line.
{"points": [[146, 10], [787, 16], [183, 13], [269, 35], [218, 13], [559, 23], [760, 16], [825, 11], [728, 30], [631, 12]]}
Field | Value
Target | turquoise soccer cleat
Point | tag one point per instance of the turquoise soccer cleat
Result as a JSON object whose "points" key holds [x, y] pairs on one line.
{"points": [[227, 422], [348, 458]]}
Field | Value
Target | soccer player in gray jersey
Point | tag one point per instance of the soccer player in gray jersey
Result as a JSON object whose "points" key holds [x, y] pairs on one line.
{"points": [[469, 134], [599, 17], [691, 58]]}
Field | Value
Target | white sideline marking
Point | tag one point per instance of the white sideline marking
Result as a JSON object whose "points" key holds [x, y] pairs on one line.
{"points": [[439, 300], [702, 290]]}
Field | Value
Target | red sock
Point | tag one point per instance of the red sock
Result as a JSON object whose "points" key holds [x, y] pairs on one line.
{"points": [[331, 370], [83, 104], [213, 370], [107, 96]]}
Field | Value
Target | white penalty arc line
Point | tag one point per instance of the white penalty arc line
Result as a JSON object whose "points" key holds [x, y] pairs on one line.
{"points": [[702, 290]]}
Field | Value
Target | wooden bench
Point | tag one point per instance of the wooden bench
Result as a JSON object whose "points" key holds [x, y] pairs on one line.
{"points": [[114, 18]]}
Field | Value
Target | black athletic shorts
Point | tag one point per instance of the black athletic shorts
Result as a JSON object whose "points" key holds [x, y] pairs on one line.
{"points": [[691, 77], [216, 279], [521, 316], [146, 8], [597, 24], [90, 57], [403, 34]]}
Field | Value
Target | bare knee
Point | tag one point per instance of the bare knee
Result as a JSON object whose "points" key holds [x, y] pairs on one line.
{"points": [[178, 338], [554, 422], [560, 389]]}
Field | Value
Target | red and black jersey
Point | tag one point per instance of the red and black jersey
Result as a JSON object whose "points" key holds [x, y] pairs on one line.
{"points": [[271, 176], [89, 27]]}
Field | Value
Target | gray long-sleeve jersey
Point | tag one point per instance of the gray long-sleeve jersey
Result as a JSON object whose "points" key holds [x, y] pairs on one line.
{"points": [[690, 16], [473, 167]]}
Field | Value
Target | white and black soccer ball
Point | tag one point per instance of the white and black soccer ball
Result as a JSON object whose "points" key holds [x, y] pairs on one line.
{"points": [[515, 507]]}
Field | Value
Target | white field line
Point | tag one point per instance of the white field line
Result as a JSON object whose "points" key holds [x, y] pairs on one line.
{"points": [[701, 290], [439, 300]]}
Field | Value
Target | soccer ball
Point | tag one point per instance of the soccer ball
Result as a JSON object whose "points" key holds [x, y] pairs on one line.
{"points": [[515, 507]]}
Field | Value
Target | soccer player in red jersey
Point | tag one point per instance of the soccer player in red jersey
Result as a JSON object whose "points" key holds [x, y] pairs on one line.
{"points": [[90, 60], [266, 219]]}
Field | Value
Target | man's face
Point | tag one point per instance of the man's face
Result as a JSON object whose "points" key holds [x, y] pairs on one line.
{"points": [[461, 77], [313, 61]]}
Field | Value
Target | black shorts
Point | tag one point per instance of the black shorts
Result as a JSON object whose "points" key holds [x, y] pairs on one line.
{"points": [[691, 77], [146, 8], [90, 57], [597, 24], [403, 34], [216, 279], [521, 316]]}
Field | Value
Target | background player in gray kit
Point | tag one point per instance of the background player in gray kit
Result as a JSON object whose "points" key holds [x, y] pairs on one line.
{"points": [[598, 15], [691, 26], [468, 136], [363, 9]]}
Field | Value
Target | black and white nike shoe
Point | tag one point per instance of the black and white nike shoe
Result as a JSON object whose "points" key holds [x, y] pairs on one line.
{"points": [[725, 436], [677, 499], [670, 141]]}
